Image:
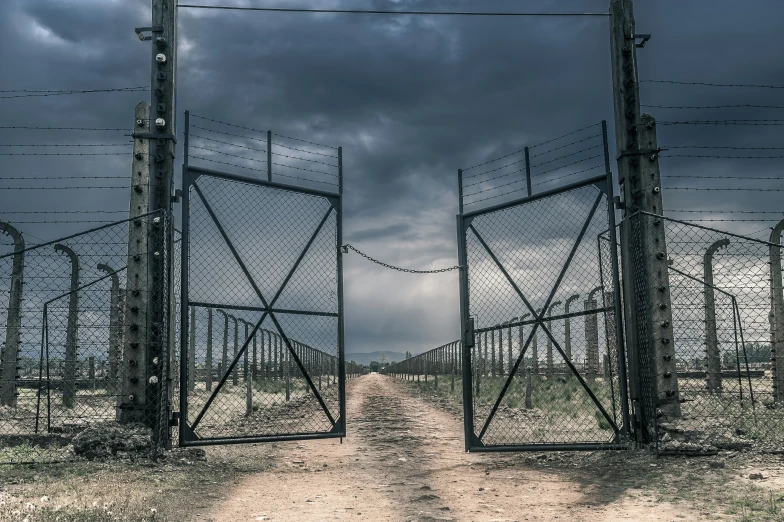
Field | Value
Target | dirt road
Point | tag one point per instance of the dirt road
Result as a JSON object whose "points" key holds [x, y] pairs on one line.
{"points": [[404, 460]]}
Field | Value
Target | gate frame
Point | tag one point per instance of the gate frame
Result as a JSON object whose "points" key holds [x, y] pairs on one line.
{"points": [[605, 185], [187, 435]]}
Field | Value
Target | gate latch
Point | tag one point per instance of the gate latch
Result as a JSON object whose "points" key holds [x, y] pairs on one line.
{"points": [[470, 333], [175, 419]]}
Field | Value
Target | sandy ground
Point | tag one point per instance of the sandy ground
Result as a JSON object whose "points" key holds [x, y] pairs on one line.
{"points": [[404, 459]]}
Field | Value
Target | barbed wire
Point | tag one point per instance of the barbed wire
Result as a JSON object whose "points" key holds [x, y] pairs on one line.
{"points": [[392, 267], [227, 154], [64, 212], [708, 84], [227, 163], [34, 93], [305, 141], [65, 188], [725, 189], [229, 134], [62, 128], [303, 150], [565, 156], [763, 123], [65, 144], [307, 170], [228, 124], [564, 135], [66, 153], [494, 188], [567, 175], [737, 106], [305, 159], [730, 147], [568, 165], [703, 211], [226, 143], [492, 170], [492, 197], [722, 177], [304, 179], [564, 146], [62, 177], [491, 179], [717, 156]]}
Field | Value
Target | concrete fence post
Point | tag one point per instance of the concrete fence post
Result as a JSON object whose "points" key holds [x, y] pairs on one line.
{"points": [[776, 312], [713, 356], [9, 356], [69, 377]]}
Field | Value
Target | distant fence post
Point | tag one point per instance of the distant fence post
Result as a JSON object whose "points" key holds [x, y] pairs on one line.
{"points": [[69, 377], [712, 355], [10, 353]]}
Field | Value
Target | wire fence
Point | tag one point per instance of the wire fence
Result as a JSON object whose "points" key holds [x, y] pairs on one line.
{"points": [[65, 360], [570, 157], [252, 151], [724, 293]]}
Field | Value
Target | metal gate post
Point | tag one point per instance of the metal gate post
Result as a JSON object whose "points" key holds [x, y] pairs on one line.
{"points": [[115, 331], [13, 332], [192, 350], [466, 329], [69, 377], [776, 312]]}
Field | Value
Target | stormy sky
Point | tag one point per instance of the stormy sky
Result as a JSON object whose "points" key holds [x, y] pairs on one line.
{"points": [[410, 100]]}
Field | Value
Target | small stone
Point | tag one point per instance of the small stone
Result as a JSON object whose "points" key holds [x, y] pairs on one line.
{"points": [[718, 464], [756, 476]]}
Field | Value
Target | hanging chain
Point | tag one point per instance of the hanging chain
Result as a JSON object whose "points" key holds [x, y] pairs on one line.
{"points": [[347, 246]]}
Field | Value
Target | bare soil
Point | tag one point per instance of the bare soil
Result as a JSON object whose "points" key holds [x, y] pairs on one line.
{"points": [[404, 459]]}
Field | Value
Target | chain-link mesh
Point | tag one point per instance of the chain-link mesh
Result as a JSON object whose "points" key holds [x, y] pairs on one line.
{"points": [[436, 372], [252, 374], [64, 328], [564, 388], [723, 299]]}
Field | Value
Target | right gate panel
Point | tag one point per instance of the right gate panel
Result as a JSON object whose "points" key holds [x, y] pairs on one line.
{"points": [[544, 364]]}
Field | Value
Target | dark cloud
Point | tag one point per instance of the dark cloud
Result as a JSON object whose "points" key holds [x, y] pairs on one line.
{"points": [[410, 100]]}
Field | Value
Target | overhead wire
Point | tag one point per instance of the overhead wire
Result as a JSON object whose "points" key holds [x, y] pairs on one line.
{"points": [[385, 12]]}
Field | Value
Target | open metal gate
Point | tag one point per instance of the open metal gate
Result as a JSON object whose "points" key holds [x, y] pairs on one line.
{"points": [[543, 357], [262, 311]]}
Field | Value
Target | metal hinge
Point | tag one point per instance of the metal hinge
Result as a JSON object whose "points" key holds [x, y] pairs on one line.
{"points": [[642, 37]]}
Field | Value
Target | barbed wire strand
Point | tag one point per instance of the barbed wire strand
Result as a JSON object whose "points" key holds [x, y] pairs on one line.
{"points": [[229, 134], [34, 94], [567, 165], [227, 154], [761, 123], [564, 146], [708, 84], [303, 150], [399, 269], [491, 179], [228, 124], [737, 106], [62, 128], [565, 156], [305, 141], [226, 143], [65, 144], [305, 159]]}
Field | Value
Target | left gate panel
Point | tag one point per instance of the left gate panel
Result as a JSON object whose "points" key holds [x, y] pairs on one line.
{"points": [[262, 350]]}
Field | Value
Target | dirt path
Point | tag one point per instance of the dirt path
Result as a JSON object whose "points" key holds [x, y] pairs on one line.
{"points": [[404, 460]]}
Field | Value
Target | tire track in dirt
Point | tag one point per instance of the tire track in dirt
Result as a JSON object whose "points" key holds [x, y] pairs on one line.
{"points": [[404, 460]]}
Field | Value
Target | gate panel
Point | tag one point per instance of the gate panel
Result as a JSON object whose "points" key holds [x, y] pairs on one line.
{"points": [[262, 355], [543, 354]]}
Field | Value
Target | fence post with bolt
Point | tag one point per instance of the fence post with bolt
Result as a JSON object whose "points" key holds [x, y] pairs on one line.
{"points": [[776, 312], [712, 355]]}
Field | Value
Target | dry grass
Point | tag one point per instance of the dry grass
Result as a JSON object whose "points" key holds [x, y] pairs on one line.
{"points": [[173, 490]]}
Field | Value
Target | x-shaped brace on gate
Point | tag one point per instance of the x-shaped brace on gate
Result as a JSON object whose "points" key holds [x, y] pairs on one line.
{"points": [[540, 322], [268, 311]]}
